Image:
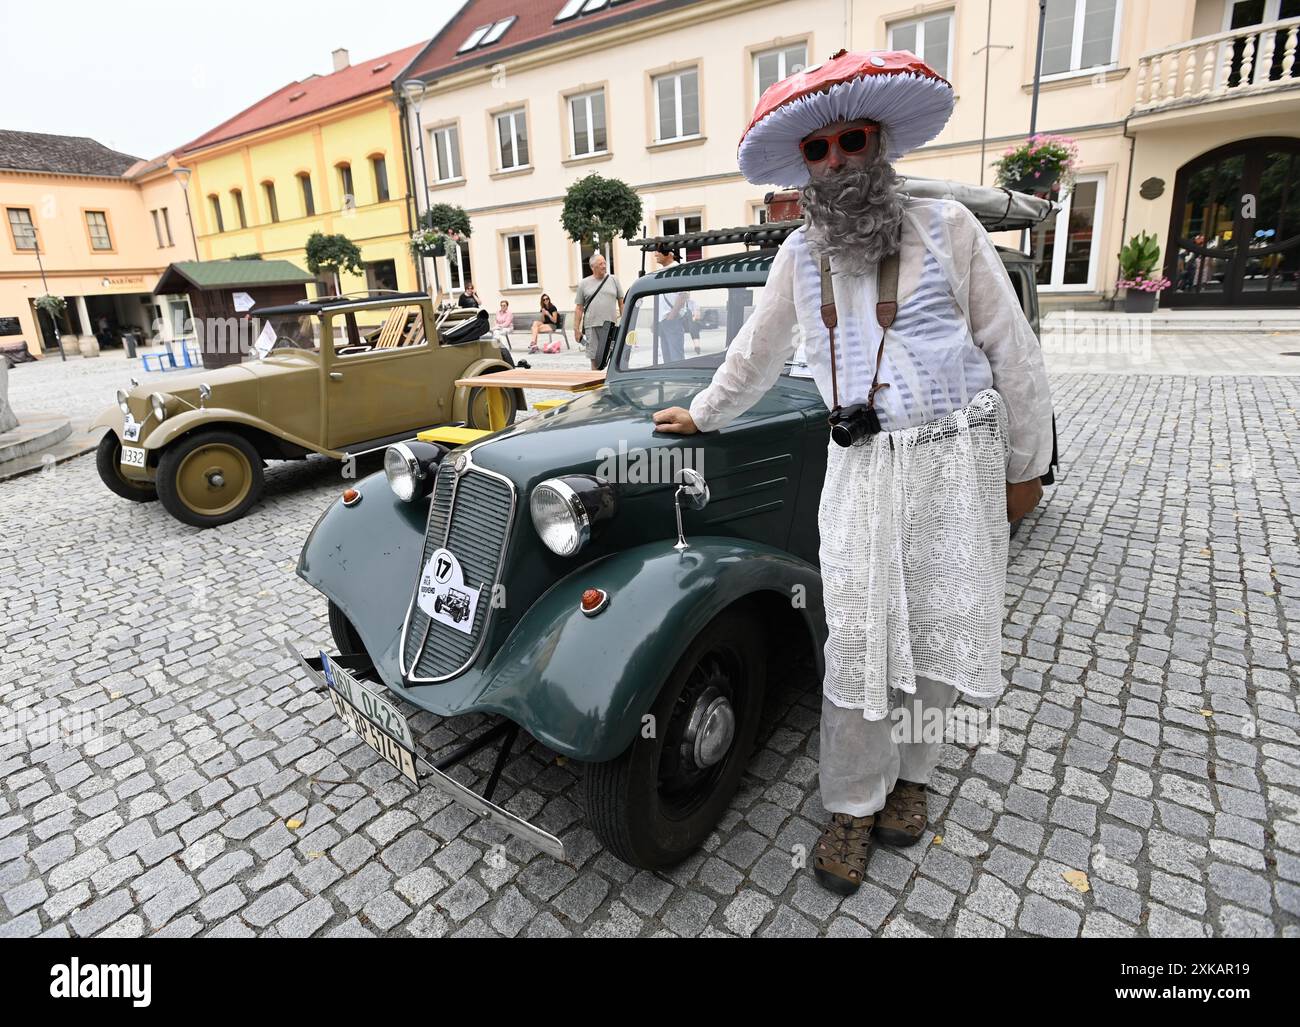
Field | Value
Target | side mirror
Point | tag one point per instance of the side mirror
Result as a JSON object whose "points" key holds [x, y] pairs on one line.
{"points": [[692, 492], [605, 345]]}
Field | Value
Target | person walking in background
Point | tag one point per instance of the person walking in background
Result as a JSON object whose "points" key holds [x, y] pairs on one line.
{"points": [[548, 321], [597, 304], [672, 312]]}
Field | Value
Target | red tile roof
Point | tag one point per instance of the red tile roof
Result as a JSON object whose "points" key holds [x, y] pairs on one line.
{"points": [[316, 93], [536, 26]]}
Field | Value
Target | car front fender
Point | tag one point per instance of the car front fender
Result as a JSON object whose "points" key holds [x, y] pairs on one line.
{"points": [[366, 557], [581, 684], [215, 417]]}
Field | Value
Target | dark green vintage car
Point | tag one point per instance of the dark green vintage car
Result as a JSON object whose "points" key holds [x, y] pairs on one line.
{"points": [[622, 596]]}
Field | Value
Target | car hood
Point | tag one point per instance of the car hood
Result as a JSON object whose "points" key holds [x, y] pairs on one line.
{"points": [[598, 425]]}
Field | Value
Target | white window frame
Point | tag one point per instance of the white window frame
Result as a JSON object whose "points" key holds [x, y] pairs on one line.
{"points": [[919, 23], [1060, 238], [511, 238], [783, 70], [591, 128], [445, 142], [1076, 44], [456, 271], [677, 77], [515, 114]]}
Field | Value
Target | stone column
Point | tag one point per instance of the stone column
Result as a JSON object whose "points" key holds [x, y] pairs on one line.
{"points": [[86, 327], [7, 419]]}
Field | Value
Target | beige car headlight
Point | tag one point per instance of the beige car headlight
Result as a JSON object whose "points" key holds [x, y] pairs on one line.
{"points": [[158, 404], [122, 404]]}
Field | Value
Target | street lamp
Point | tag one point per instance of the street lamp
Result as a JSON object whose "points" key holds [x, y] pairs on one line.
{"points": [[183, 177], [415, 89]]}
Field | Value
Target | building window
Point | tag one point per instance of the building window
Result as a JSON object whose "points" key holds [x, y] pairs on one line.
{"points": [[167, 227], [446, 153], [97, 223], [308, 200], [217, 219], [1067, 246], [157, 227], [512, 140], [587, 123], [272, 207], [586, 251], [381, 275], [677, 105], [20, 223], [930, 38], [460, 272], [1078, 34], [380, 169], [349, 201], [770, 66], [680, 224], [758, 214], [237, 197], [521, 256]]}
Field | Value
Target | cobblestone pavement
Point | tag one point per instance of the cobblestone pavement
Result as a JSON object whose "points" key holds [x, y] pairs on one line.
{"points": [[1148, 739]]}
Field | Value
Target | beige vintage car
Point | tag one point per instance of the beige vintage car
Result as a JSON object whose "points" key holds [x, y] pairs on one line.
{"points": [[198, 442]]}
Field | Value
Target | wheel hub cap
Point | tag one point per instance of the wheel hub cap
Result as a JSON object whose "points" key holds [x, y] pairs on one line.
{"points": [[710, 730]]}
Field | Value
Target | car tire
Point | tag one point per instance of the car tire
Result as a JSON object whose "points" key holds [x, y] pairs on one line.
{"points": [[210, 478], [108, 461], [642, 804], [476, 410], [346, 639]]}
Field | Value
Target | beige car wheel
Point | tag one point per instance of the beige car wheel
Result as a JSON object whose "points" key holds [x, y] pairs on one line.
{"points": [[209, 479], [478, 408]]}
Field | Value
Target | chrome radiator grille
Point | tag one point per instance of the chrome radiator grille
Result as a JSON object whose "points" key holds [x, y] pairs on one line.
{"points": [[470, 514]]}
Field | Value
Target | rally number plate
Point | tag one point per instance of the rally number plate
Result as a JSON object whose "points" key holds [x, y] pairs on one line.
{"points": [[132, 456]]}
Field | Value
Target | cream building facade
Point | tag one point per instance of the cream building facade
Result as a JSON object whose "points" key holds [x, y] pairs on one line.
{"points": [[88, 224], [1166, 100]]}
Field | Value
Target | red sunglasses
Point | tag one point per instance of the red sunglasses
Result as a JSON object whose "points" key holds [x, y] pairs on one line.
{"points": [[851, 140]]}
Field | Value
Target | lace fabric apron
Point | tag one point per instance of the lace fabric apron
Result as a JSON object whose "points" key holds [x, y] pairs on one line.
{"points": [[914, 558]]}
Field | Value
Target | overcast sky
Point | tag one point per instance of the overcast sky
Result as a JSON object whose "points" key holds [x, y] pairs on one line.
{"points": [[144, 76]]}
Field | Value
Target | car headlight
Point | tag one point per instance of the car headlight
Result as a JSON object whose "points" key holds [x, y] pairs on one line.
{"points": [[158, 404], [122, 404], [409, 468], [567, 510]]}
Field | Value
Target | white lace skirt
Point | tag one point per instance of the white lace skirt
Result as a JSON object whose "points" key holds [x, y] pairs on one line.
{"points": [[914, 558]]}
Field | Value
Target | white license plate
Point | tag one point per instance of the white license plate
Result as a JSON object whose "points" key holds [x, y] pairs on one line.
{"points": [[378, 722], [131, 429], [132, 456]]}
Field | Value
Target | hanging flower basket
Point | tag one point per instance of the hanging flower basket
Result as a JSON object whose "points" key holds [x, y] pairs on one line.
{"points": [[1038, 165]]}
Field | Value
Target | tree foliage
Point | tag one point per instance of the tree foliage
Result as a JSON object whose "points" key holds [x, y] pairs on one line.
{"points": [[597, 210], [332, 254], [446, 219]]}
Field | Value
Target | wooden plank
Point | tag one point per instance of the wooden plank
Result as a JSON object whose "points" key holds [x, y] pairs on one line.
{"points": [[521, 378]]}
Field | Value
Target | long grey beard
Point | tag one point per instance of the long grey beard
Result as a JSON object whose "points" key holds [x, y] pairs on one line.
{"points": [[854, 215]]}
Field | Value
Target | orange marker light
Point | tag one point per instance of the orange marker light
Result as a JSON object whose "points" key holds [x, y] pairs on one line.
{"points": [[351, 497], [594, 600]]}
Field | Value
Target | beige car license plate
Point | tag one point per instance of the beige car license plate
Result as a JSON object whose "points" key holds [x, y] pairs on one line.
{"points": [[132, 456], [379, 723]]}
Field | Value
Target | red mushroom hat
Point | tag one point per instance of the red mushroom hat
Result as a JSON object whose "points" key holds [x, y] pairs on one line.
{"points": [[893, 87]]}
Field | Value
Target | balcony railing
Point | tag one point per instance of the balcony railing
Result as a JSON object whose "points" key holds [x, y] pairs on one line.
{"points": [[1242, 62]]}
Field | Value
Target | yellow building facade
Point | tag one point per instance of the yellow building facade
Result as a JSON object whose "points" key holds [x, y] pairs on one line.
{"points": [[337, 169]]}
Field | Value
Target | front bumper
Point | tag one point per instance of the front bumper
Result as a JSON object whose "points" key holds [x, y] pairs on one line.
{"points": [[453, 789]]}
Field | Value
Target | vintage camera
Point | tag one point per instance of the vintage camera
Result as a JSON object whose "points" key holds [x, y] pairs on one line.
{"points": [[853, 424]]}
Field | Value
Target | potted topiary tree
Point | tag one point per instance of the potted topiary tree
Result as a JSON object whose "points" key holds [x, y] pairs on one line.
{"points": [[598, 210], [1138, 275], [332, 254], [1038, 165]]}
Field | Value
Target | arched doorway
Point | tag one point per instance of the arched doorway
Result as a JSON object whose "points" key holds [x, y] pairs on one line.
{"points": [[1234, 229]]}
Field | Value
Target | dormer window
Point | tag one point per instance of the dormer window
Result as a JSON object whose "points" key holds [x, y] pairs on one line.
{"points": [[576, 7], [486, 35]]}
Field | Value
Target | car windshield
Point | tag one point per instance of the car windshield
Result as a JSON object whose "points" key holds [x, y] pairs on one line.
{"points": [[690, 328], [289, 331]]}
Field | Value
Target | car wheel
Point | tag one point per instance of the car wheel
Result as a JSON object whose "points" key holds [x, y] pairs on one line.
{"points": [[477, 411], [656, 803], [346, 639], [108, 461], [209, 478]]}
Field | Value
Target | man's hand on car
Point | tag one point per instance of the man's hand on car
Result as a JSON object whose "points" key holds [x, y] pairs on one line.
{"points": [[675, 421]]}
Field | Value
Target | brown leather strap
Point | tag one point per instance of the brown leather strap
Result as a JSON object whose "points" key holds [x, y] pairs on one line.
{"points": [[886, 312]]}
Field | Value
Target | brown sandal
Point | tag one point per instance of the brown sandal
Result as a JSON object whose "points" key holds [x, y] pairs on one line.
{"points": [[841, 855], [905, 816]]}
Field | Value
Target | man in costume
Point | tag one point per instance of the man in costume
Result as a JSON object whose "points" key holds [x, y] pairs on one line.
{"points": [[941, 428]]}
